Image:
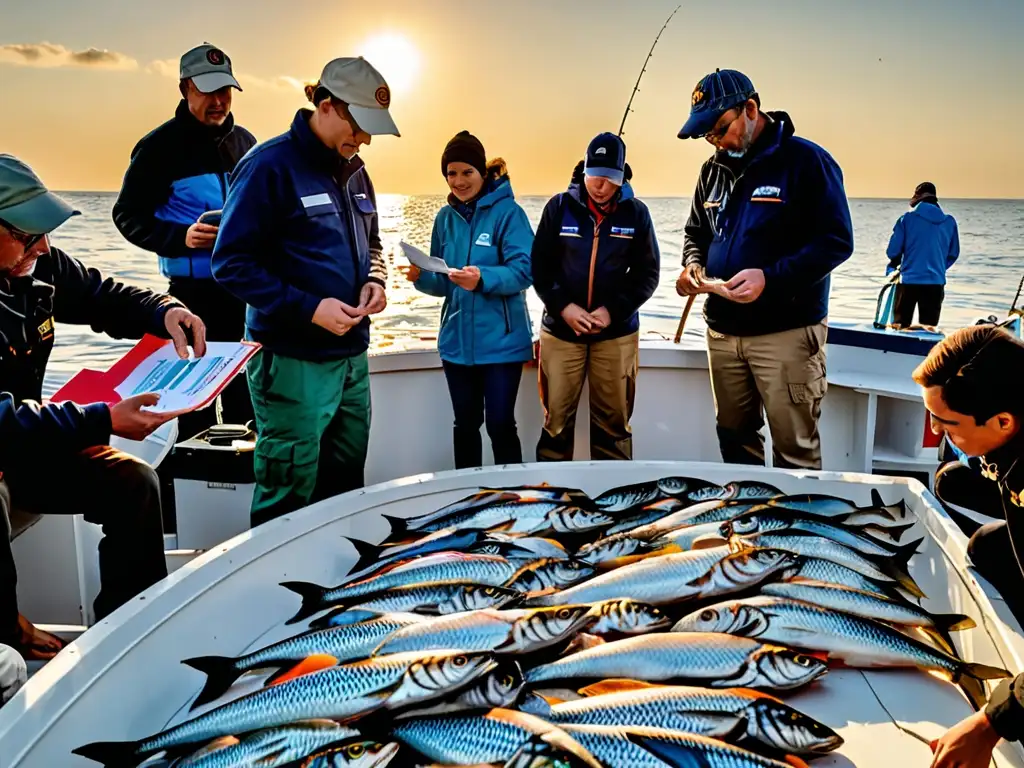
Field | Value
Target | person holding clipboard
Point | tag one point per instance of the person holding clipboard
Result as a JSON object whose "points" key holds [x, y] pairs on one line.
{"points": [[484, 237]]}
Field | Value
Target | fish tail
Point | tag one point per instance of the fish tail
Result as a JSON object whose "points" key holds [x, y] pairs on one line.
{"points": [[399, 526], [980, 672], [221, 673], [953, 622], [369, 554], [902, 578], [111, 754], [940, 638], [671, 752], [312, 599], [876, 499], [894, 532]]}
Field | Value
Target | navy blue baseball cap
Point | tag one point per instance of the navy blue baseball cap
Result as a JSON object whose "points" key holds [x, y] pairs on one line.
{"points": [[715, 95], [606, 156]]}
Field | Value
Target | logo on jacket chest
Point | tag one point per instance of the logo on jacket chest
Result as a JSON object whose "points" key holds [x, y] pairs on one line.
{"points": [[625, 233], [484, 239], [766, 194], [46, 329], [569, 231]]}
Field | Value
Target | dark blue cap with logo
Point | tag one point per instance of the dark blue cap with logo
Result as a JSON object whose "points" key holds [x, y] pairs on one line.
{"points": [[606, 156], [715, 95]]}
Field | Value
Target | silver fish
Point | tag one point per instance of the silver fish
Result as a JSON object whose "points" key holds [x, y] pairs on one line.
{"points": [[489, 737], [714, 511], [617, 746], [438, 568], [547, 751], [627, 617], [687, 537], [539, 546], [345, 643], [735, 713], [777, 520], [500, 688], [607, 551], [868, 605], [856, 641], [275, 747], [434, 599], [647, 513], [827, 549], [736, 491], [543, 575], [678, 577], [374, 557], [454, 511], [525, 516], [629, 496], [715, 660], [814, 569], [829, 506], [356, 754], [342, 693], [517, 631]]}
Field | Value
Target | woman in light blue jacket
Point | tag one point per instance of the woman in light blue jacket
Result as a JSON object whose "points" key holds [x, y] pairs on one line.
{"points": [[486, 335]]}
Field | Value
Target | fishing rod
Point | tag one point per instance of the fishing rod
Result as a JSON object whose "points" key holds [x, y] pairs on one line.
{"points": [[643, 69]]}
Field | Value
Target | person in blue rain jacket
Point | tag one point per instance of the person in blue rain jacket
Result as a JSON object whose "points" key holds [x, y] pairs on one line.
{"points": [[925, 243], [485, 238]]}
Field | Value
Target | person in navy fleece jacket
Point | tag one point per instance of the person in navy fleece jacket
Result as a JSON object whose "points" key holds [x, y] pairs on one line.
{"points": [[770, 218], [925, 243]]}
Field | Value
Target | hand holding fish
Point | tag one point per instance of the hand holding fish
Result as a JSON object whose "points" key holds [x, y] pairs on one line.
{"points": [[467, 278], [968, 744], [577, 318]]}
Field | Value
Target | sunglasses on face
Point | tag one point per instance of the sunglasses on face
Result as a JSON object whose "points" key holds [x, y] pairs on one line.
{"points": [[24, 238]]}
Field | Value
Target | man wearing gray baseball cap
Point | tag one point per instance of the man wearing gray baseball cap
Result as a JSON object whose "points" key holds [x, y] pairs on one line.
{"points": [[299, 243], [56, 458], [170, 201]]}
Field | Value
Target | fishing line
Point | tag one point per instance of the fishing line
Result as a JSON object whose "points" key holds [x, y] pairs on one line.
{"points": [[643, 69], [885, 709]]}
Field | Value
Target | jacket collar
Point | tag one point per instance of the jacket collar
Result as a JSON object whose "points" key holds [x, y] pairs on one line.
{"points": [[319, 153], [184, 116], [578, 193], [998, 464]]}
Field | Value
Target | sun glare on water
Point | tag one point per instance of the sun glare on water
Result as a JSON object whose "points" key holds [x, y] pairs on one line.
{"points": [[395, 58]]}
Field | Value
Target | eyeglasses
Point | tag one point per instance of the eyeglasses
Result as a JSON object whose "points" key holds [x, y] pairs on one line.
{"points": [[26, 240], [715, 135]]}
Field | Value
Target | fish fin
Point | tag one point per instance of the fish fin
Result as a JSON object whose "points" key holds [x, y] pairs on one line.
{"points": [[615, 685], [937, 637], [111, 754], [220, 673], [876, 499], [271, 758], [550, 700], [894, 532], [896, 567], [312, 598], [330, 619], [310, 664], [953, 622], [981, 672], [795, 761], [906, 551], [368, 553], [222, 742], [535, 704], [897, 510], [670, 752]]}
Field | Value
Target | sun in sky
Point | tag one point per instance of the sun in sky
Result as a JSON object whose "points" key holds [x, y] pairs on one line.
{"points": [[394, 57]]}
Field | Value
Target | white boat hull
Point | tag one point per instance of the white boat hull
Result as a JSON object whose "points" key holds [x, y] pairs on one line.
{"points": [[123, 679]]}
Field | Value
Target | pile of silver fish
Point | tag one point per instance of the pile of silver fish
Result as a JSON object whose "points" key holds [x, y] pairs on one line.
{"points": [[652, 625]]}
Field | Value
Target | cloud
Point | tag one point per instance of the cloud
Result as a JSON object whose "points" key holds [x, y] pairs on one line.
{"points": [[164, 68], [50, 55]]}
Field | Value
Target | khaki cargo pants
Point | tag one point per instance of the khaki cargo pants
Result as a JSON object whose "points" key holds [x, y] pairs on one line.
{"points": [[610, 367], [781, 374]]}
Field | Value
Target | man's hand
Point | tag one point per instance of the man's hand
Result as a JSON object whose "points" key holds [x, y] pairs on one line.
{"points": [[602, 319], [467, 278], [578, 319], [968, 744], [201, 236], [689, 282], [745, 287], [372, 299], [176, 320], [410, 272], [336, 316], [128, 420]]}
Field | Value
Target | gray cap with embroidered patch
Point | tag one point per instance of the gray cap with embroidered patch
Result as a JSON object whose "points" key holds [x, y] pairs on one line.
{"points": [[208, 67]]}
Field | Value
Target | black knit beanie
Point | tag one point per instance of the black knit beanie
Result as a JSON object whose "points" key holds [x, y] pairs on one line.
{"points": [[464, 148]]}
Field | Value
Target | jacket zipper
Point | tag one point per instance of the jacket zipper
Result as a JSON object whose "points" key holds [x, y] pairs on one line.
{"points": [[593, 265], [504, 309], [346, 201], [472, 298]]}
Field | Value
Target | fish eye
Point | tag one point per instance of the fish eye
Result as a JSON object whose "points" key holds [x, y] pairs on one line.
{"points": [[460, 661], [564, 613], [355, 751], [803, 661], [489, 591], [707, 615], [794, 716], [508, 681]]}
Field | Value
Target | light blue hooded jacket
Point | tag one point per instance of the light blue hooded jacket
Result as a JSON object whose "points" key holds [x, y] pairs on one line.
{"points": [[925, 243], [490, 324]]}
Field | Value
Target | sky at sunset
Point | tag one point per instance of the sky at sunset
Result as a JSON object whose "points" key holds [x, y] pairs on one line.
{"points": [[899, 91]]}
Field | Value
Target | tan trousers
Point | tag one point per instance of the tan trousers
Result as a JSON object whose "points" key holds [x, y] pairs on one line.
{"points": [[782, 374], [610, 367]]}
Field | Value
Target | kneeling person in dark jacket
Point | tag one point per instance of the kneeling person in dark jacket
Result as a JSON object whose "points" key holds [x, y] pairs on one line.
{"points": [[56, 459], [595, 262], [770, 217], [971, 387]]}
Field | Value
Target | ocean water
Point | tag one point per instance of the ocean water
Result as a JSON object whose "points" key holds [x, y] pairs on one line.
{"points": [[982, 282]]}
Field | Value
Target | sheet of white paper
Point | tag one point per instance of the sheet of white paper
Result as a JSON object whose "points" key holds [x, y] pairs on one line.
{"points": [[423, 260], [184, 383]]}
